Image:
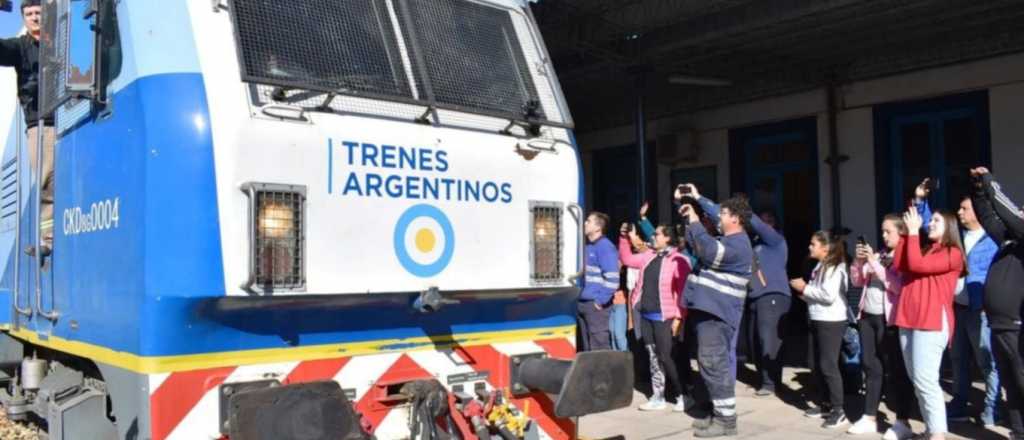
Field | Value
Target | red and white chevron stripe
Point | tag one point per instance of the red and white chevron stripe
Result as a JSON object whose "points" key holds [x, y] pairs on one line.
{"points": [[184, 405]]}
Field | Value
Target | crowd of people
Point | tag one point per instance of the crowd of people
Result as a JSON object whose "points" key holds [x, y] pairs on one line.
{"points": [[939, 281]]}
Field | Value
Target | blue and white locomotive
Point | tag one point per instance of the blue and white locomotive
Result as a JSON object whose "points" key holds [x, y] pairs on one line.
{"points": [[272, 219]]}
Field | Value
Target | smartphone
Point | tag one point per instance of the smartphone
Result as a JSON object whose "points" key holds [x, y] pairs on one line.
{"points": [[684, 189], [862, 241]]}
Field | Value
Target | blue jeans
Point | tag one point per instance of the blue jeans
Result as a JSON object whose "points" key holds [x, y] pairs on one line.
{"points": [[972, 342], [617, 322], [922, 353]]}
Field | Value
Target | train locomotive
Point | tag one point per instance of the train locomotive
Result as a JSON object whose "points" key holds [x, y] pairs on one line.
{"points": [[298, 220]]}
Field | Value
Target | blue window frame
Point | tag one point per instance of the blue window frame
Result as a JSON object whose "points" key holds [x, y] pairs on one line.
{"points": [[939, 138], [776, 165]]}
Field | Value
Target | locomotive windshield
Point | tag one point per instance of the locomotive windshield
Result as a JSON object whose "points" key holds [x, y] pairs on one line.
{"points": [[450, 54]]}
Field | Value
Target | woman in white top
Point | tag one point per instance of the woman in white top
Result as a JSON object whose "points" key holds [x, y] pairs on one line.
{"points": [[826, 304]]}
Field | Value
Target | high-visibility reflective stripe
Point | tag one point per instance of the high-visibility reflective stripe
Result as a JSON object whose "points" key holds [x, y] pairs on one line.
{"points": [[728, 278], [731, 291], [719, 255]]}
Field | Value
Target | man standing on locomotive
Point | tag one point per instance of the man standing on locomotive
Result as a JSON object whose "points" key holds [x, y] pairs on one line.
{"points": [[22, 53]]}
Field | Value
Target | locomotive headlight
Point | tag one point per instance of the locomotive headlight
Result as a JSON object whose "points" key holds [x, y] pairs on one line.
{"points": [[276, 220], [277, 234], [546, 242]]}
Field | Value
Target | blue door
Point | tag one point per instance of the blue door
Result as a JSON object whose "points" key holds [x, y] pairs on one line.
{"points": [[775, 165]]}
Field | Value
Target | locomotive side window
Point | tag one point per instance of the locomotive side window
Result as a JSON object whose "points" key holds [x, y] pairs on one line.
{"points": [[80, 73], [80, 51]]}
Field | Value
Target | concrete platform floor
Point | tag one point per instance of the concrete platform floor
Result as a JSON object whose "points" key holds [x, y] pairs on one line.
{"points": [[764, 418]]}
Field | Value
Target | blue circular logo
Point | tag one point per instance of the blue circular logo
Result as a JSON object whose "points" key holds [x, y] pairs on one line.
{"points": [[424, 240]]}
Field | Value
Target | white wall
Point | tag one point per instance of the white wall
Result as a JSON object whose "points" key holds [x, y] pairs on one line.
{"points": [[1006, 117], [1003, 77]]}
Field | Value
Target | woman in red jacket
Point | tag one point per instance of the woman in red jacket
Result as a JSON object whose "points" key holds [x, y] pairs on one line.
{"points": [[925, 310]]}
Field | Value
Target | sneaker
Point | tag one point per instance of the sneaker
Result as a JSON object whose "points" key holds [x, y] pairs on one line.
{"points": [[814, 412], [865, 425], [682, 404], [654, 405], [835, 419], [987, 419], [898, 431], [764, 392]]}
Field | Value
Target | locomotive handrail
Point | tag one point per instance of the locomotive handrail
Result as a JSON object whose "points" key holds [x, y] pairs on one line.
{"points": [[52, 314], [17, 228], [250, 190], [577, 214]]}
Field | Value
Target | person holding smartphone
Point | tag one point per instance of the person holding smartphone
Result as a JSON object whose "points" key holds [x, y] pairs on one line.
{"points": [[825, 296], [714, 295], [655, 303], [882, 356], [769, 299], [1003, 220]]}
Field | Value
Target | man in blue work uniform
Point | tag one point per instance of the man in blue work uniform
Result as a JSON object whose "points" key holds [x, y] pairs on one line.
{"points": [[769, 299], [714, 295], [601, 278]]}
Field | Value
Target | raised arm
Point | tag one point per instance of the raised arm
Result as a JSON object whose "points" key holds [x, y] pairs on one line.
{"points": [[711, 208], [768, 234], [1005, 209], [987, 216], [924, 209], [626, 255], [646, 228]]}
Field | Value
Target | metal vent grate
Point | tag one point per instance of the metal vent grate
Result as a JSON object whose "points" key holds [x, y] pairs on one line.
{"points": [[457, 55], [279, 245], [350, 46], [9, 193], [471, 54], [546, 242]]}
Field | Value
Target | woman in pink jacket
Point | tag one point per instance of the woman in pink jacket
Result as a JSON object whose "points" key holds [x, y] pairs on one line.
{"points": [[655, 304], [879, 337]]}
